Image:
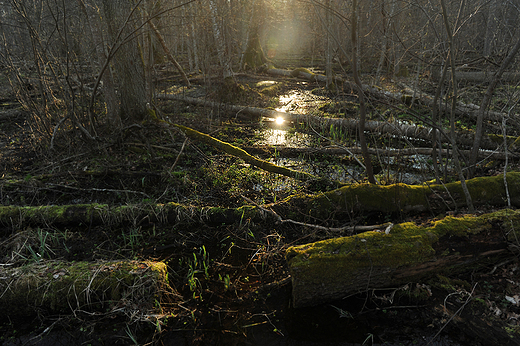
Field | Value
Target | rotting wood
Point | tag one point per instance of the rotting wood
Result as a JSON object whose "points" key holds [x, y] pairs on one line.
{"points": [[333, 269], [57, 287]]}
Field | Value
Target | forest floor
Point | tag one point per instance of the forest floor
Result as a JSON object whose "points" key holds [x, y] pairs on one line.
{"points": [[229, 282]]}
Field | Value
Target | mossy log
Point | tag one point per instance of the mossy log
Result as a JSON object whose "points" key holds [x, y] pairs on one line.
{"points": [[88, 215], [55, 287], [336, 268], [242, 154], [398, 198], [338, 204]]}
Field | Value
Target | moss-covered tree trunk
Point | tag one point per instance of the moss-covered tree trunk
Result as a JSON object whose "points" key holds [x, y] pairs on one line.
{"points": [[337, 205], [336, 268], [94, 214], [342, 203], [61, 287], [254, 55]]}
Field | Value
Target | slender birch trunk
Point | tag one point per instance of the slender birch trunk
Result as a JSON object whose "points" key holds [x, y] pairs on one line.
{"points": [[362, 105], [225, 64], [456, 160]]}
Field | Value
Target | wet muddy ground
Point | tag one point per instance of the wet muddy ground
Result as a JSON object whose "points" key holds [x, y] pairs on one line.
{"points": [[245, 298]]}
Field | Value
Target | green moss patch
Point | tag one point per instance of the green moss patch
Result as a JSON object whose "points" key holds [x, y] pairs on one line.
{"points": [[333, 268], [398, 198]]}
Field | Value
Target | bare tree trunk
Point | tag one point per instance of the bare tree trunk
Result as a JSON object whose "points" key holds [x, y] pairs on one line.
{"points": [[194, 43], [486, 100], [169, 54], [253, 55], [328, 53], [384, 60], [247, 34], [436, 142], [219, 41], [454, 103], [92, 15], [362, 105], [147, 43], [128, 62], [490, 28]]}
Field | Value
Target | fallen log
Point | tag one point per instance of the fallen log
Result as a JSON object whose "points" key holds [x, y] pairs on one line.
{"points": [[397, 129], [285, 151], [57, 287], [94, 214], [481, 76], [242, 154], [337, 205], [336, 268], [341, 203], [402, 96]]}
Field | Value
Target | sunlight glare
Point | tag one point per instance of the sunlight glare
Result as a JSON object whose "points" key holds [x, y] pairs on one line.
{"points": [[279, 120]]}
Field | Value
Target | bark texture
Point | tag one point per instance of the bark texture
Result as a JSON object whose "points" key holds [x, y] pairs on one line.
{"points": [[335, 268], [398, 198], [61, 287]]}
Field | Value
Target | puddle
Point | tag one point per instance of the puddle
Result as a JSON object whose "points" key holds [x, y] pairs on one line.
{"points": [[277, 133], [301, 102], [275, 137], [296, 101]]}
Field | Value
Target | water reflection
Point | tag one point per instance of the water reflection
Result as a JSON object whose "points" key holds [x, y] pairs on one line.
{"points": [[286, 102], [274, 137]]}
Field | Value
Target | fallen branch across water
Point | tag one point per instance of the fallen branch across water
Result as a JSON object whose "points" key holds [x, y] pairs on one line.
{"points": [[397, 129]]}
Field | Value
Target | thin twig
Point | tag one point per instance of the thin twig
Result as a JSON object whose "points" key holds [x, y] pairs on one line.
{"points": [[453, 316], [178, 156], [99, 190], [351, 229]]}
